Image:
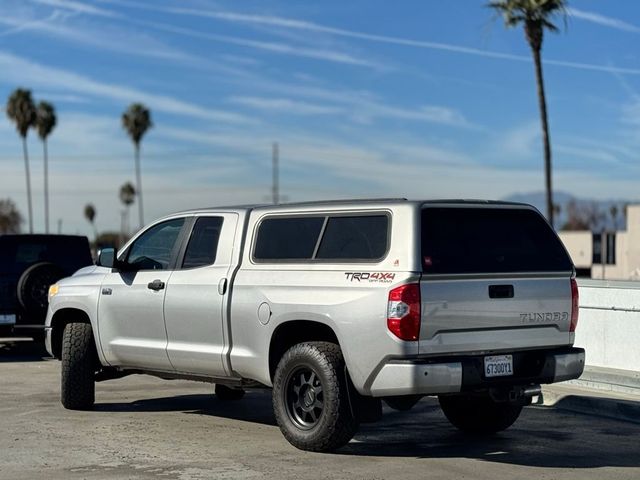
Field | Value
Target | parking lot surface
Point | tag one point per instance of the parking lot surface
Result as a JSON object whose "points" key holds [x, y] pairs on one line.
{"points": [[146, 428]]}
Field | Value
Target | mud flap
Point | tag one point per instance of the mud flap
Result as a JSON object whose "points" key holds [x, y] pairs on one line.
{"points": [[364, 409]]}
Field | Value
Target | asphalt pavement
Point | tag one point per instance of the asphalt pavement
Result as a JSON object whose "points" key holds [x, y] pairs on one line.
{"points": [[146, 428]]}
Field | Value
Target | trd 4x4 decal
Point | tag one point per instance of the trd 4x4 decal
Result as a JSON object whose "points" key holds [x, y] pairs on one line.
{"points": [[381, 277]]}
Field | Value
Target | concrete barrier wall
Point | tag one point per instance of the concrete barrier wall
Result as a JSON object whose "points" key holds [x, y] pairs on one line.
{"points": [[609, 323]]}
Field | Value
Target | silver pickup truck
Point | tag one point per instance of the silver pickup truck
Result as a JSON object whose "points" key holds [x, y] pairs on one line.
{"points": [[335, 306]]}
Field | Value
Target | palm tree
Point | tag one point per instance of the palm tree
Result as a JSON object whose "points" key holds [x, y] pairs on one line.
{"points": [[45, 123], [136, 120], [536, 16], [22, 112], [127, 197], [90, 215]]}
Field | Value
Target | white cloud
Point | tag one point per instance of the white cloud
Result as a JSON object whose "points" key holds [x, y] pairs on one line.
{"points": [[426, 113], [273, 47], [302, 25], [285, 105], [18, 70], [603, 20], [60, 97], [599, 155], [520, 141], [76, 7], [83, 34], [360, 107]]}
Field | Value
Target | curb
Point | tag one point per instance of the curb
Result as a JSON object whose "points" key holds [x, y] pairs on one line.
{"points": [[592, 402]]}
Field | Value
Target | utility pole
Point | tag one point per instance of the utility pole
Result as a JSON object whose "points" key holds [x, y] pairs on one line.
{"points": [[275, 186], [59, 226], [603, 250]]}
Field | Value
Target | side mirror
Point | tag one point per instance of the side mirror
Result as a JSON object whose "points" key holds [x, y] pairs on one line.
{"points": [[106, 257]]}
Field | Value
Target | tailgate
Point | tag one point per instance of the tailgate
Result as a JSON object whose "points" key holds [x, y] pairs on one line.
{"points": [[480, 315], [495, 277]]}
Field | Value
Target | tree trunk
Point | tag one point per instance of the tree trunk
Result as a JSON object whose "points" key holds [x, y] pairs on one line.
{"points": [[46, 186], [542, 102], [26, 168], [139, 186]]}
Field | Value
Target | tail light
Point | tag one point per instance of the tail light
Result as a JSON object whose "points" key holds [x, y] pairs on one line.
{"points": [[574, 305], [403, 312]]}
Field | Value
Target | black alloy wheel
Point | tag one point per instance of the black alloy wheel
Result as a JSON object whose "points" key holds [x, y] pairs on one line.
{"points": [[305, 397]]}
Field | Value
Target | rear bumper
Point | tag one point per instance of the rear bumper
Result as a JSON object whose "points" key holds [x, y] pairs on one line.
{"points": [[459, 374]]}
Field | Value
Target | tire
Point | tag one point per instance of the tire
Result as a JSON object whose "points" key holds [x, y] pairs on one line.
{"points": [[227, 394], [33, 287], [403, 403], [310, 397], [479, 414], [79, 363]]}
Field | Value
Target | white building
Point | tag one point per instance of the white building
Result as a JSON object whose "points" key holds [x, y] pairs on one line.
{"points": [[612, 255]]}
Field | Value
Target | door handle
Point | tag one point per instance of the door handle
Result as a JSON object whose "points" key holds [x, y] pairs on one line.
{"points": [[222, 286], [156, 285]]}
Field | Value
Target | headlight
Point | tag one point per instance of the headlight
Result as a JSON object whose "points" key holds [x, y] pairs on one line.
{"points": [[53, 289]]}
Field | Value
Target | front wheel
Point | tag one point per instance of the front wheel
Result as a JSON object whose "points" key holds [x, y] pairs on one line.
{"points": [[310, 397], [479, 414], [79, 363]]}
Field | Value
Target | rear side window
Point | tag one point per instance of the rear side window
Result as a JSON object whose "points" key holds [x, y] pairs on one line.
{"points": [[287, 238], [203, 243], [358, 238], [489, 240]]}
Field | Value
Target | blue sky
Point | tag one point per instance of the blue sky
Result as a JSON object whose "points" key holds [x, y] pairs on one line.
{"points": [[422, 99]]}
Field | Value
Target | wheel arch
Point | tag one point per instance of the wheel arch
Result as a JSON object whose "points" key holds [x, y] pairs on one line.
{"points": [[59, 321], [292, 332]]}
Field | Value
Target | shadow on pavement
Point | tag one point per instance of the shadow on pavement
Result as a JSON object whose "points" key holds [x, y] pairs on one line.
{"points": [[542, 437], [255, 407], [22, 350]]}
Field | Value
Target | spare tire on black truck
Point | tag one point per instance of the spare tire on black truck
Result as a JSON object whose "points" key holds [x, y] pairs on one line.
{"points": [[29, 264]]}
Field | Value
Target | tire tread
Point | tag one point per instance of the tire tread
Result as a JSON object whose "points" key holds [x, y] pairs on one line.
{"points": [[79, 361]]}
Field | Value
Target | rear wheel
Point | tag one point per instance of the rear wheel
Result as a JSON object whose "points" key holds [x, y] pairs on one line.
{"points": [[310, 397], [479, 414], [79, 363], [225, 393]]}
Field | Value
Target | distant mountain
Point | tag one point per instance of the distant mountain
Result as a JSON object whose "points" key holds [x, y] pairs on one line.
{"points": [[563, 199]]}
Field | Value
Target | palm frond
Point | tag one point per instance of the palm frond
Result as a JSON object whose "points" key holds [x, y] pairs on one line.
{"points": [[45, 119], [136, 120], [21, 110], [540, 12]]}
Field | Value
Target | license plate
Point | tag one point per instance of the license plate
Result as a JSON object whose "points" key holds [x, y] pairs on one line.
{"points": [[498, 366], [7, 319]]}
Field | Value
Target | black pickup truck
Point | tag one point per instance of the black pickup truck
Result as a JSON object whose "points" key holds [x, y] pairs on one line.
{"points": [[28, 265]]}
